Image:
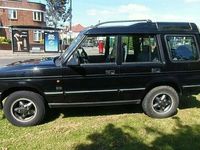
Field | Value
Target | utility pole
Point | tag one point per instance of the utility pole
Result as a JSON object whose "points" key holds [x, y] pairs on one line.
{"points": [[70, 21]]}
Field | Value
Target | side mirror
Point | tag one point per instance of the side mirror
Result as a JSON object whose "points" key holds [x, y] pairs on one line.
{"points": [[73, 61]]}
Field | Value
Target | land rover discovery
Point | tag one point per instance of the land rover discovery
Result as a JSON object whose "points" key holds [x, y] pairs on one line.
{"points": [[147, 63]]}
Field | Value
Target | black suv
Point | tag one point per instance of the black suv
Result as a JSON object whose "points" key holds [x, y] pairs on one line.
{"points": [[147, 63]]}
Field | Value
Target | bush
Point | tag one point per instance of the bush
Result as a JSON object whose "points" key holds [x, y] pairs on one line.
{"points": [[41, 41], [9, 41], [4, 40], [4, 43]]}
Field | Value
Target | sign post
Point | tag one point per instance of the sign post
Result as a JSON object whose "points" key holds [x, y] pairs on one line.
{"points": [[51, 42]]}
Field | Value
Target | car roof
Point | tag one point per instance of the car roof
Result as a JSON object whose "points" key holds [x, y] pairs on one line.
{"points": [[146, 28]]}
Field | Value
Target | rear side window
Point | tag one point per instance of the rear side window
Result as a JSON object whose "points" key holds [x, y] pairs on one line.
{"points": [[182, 48], [140, 48]]}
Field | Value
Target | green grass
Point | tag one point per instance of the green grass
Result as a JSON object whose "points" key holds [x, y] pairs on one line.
{"points": [[108, 128]]}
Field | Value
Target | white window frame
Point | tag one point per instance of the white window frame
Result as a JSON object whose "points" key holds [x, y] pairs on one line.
{"points": [[37, 16], [37, 35], [44, 17], [11, 14]]}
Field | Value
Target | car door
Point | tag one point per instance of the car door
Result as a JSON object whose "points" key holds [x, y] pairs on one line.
{"points": [[95, 80], [141, 62], [184, 60]]}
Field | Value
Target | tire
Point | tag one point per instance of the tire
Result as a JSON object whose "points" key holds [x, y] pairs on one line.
{"points": [[24, 108], [161, 102]]}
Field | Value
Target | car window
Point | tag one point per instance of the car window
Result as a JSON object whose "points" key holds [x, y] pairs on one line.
{"points": [[182, 48], [98, 49], [140, 48]]}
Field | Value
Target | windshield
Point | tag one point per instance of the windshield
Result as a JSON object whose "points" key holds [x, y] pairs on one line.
{"points": [[72, 46]]}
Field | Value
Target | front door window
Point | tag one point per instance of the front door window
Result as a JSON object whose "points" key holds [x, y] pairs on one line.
{"points": [[97, 50]]}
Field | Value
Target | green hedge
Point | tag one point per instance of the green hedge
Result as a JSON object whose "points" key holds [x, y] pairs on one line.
{"points": [[4, 40]]}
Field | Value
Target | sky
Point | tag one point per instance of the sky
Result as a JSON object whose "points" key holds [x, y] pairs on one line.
{"points": [[90, 12]]}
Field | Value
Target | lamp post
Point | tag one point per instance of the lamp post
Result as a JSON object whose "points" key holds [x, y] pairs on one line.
{"points": [[70, 20]]}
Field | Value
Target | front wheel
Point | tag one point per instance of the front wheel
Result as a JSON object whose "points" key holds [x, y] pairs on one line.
{"points": [[24, 108], [161, 102]]}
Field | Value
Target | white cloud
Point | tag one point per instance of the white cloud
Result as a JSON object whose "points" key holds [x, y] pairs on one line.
{"points": [[130, 11], [135, 11], [132, 8], [95, 12]]}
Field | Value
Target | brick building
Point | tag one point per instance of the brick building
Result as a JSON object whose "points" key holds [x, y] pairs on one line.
{"points": [[22, 13]]}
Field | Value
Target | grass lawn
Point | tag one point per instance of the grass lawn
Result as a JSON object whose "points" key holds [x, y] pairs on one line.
{"points": [[108, 128]]}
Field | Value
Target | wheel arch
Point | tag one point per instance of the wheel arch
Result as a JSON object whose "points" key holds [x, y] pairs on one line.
{"points": [[11, 90], [172, 83]]}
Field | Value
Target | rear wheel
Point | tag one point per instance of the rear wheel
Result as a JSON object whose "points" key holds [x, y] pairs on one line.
{"points": [[24, 108], [161, 102]]}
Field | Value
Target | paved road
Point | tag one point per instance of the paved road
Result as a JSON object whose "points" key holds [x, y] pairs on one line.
{"points": [[4, 61], [8, 60], [8, 57]]}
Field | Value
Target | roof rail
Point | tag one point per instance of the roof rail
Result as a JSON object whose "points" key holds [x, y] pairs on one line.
{"points": [[122, 21]]}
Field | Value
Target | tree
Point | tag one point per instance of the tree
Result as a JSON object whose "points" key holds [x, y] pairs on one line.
{"points": [[57, 12]]}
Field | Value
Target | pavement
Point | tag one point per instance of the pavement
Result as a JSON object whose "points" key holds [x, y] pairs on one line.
{"points": [[7, 57], [10, 54]]}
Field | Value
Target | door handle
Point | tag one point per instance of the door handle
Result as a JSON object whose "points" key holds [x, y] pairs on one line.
{"points": [[110, 72], [155, 70]]}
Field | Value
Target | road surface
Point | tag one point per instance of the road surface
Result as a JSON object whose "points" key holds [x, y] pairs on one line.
{"points": [[8, 60]]}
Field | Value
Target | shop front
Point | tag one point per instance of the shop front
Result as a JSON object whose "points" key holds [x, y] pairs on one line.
{"points": [[35, 39]]}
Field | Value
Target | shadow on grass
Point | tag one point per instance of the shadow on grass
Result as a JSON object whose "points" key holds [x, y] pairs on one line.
{"points": [[113, 138], [53, 114], [2, 117], [92, 111], [185, 103], [183, 137], [189, 102]]}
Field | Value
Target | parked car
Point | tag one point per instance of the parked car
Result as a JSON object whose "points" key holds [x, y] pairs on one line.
{"points": [[88, 43], [147, 63]]}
